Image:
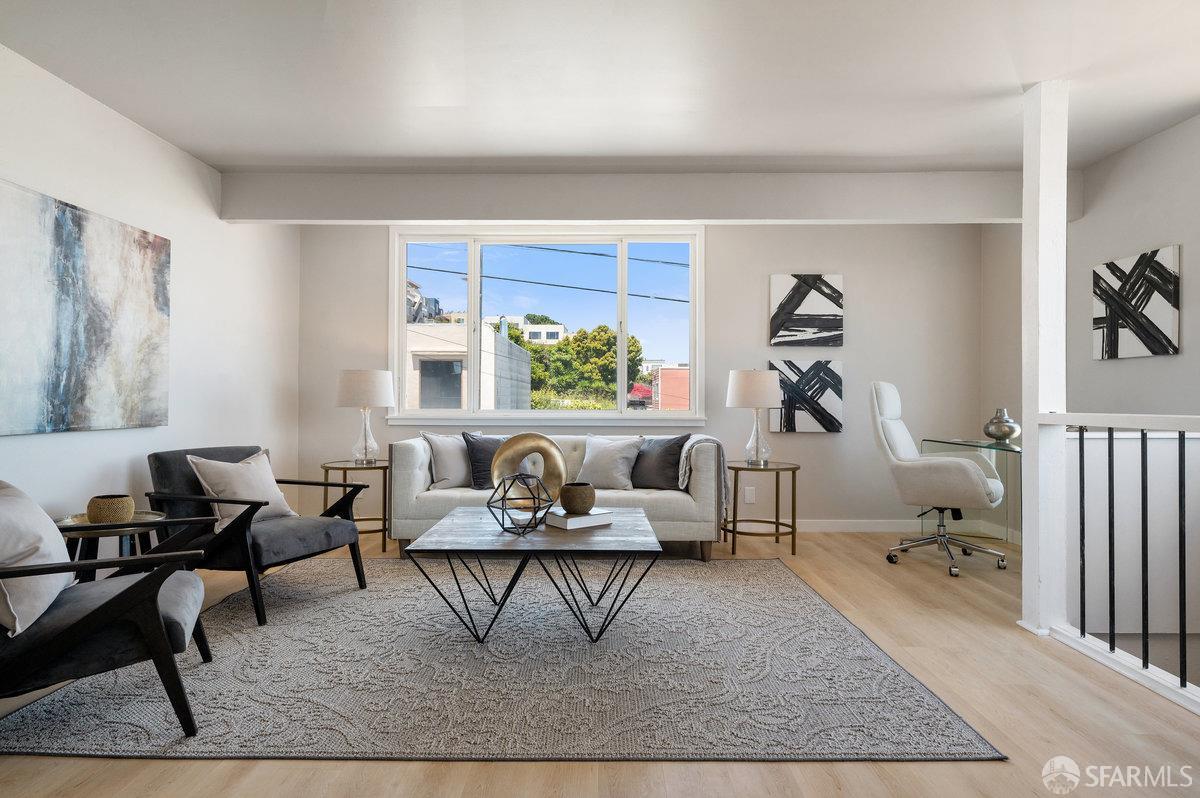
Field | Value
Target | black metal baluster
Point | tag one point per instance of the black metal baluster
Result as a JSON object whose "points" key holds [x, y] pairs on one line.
{"points": [[1082, 541], [1182, 563], [1145, 559], [1112, 545]]}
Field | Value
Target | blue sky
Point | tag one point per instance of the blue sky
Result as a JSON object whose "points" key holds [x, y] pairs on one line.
{"points": [[660, 324]]}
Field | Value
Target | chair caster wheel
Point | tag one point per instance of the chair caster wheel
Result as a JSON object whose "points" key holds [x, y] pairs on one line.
{"points": [[954, 570], [967, 552], [1002, 563], [893, 559]]}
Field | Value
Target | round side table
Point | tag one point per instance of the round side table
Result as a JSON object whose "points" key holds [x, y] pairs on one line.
{"points": [[346, 466], [778, 527], [85, 544]]}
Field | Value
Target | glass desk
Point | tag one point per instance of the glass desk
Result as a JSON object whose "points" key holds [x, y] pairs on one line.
{"points": [[1000, 523]]}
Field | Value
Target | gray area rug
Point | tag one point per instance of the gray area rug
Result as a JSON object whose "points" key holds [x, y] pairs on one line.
{"points": [[728, 660]]}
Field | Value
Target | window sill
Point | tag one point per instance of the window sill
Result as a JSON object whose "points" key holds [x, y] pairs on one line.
{"points": [[534, 420]]}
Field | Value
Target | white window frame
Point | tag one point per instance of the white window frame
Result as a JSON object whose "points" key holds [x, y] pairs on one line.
{"points": [[476, 236]]}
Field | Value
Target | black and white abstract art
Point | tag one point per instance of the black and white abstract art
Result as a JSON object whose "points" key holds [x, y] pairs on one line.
{"points": [[812, 396], [86, 310], [1135, 306], [806, 309]]}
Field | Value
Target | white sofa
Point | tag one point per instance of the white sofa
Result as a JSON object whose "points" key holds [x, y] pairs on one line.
{"points": [[683, 515]]}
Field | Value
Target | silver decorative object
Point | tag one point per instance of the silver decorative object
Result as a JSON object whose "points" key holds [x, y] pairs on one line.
{"points": [[1002, 427]]}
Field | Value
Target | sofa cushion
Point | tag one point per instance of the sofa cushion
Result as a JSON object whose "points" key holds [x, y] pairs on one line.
{"points": [[608, 463], [278, 540], [251, 478], [27, 537], [660, 505], [657, 464], [114, 645]]}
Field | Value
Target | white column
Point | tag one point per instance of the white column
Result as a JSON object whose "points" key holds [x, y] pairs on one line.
{"points": [[1043, 356]]}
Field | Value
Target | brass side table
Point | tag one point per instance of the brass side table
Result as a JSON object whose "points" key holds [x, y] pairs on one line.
{"points": [[778, 527], [346, 466]]}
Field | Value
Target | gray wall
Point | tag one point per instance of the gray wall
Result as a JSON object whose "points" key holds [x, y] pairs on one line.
{"points": [[913, 317], [1142, 197]]}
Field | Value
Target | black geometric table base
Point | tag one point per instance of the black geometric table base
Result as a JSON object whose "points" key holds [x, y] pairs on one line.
{"points": [[571, 576], [485, 584], [569, 571]]}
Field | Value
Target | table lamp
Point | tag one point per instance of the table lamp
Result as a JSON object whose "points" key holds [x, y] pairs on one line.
{"points": [[754, 389], [364, 389]]}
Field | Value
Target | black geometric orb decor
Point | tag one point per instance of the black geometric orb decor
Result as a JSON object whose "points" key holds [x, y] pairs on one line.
{"points": [[520, 503]]}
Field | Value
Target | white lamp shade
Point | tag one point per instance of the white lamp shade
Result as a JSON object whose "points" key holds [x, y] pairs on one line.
{"points": [[753, 388], [365, 388]]}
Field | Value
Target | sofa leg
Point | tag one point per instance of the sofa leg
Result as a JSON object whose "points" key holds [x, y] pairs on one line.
{"points": [[705, 550], [356, 556]]}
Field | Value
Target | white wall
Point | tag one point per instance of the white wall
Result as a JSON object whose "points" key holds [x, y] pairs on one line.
{"points": [[234, 328], [1140, 198], [912, 317], [912, 197]]}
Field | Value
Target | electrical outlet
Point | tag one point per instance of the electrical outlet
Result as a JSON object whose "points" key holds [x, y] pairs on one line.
{"points": [[751, 494]]}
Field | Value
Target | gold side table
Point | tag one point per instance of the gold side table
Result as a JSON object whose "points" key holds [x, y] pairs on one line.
{"points": [[346, 466], [778, 527]]}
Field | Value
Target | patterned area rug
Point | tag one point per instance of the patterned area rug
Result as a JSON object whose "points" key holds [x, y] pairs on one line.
{"points": [[728, 660]]}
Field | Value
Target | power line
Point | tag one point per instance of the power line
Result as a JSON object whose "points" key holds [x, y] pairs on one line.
{"points": [[563, 250], [554, 285]]}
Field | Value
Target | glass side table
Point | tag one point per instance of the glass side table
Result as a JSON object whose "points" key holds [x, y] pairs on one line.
{"points": [[385, 517], [1003, 522], [778, 527]]}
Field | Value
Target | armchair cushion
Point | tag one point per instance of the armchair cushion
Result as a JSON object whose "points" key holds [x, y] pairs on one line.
{"points": [[279, 540], [251, 478], [170, 472], [112, 645], [27, 537]]}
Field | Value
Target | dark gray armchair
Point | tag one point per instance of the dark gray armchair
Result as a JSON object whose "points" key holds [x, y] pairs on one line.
{"points": [[146, 610], [245, 544]]}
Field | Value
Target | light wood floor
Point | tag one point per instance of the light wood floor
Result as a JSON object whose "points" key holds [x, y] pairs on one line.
{"points": [[1031, 697]]}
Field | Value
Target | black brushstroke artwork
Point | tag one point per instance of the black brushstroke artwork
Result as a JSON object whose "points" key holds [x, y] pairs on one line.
{"points": [[1136, 306], [807, 310], [812, 396]]}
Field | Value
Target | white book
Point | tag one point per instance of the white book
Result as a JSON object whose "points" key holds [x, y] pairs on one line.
{"points": [[561, 519]]}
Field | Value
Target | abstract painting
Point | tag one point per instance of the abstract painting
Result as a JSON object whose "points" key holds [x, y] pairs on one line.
{"points": [[806, 310], [1135, 306], [86, 307], [812, 396]]}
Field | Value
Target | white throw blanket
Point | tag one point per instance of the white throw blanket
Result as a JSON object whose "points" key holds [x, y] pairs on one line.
{"points": [[685, 467]]}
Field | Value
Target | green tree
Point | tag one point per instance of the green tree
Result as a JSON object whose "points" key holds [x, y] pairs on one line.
{"points": [[580, 369], [539, 318]]}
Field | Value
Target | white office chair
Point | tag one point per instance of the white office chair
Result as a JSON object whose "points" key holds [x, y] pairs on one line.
{"points": [[967, 482]]}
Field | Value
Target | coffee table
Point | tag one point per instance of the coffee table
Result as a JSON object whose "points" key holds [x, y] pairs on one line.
{"points": [[471, 533]]}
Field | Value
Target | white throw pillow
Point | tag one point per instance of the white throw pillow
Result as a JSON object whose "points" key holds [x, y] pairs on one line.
{"points": [[28, 537], [250, 479], [609, 464], [450, 464]]}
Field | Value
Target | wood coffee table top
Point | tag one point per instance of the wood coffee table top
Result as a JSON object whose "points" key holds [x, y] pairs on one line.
{"points": [[473, 529]]}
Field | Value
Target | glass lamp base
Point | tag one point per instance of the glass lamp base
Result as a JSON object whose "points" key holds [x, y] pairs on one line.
{"points": [[366, 450], [758, 451]]}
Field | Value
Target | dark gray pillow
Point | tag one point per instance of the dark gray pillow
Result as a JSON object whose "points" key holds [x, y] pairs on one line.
{"points": [[657, 464], [480, 451]]}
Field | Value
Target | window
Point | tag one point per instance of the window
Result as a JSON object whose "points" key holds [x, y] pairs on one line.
{"points": [[548, 324]]}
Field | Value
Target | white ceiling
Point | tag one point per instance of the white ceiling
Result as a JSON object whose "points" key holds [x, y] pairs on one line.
{"points": [[617, 85]]}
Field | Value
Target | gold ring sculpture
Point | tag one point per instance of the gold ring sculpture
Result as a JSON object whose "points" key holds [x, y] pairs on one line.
{"points": [[507, 460]]}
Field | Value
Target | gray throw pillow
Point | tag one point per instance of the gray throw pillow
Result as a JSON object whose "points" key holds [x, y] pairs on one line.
{"points": [[608, 464], [450, 463], [657, 464], [480, 451]]}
